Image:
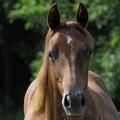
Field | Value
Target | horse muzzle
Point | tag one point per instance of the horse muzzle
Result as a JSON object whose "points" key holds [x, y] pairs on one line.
{"points": [[74, 104]]}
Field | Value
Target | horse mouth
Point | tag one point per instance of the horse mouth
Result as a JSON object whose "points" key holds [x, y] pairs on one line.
{"points": [[74, 114]]}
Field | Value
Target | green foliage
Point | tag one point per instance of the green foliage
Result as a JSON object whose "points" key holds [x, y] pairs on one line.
{"points": [[33, 11], [36, 64]]}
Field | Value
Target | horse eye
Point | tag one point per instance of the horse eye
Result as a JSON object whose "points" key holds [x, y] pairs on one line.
{"points": [[51, 56], [90, 52]]}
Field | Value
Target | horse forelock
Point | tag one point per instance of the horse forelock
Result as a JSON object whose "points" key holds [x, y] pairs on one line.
{"points": [[66, 26]]}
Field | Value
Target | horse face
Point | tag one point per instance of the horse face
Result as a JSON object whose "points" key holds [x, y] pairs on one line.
{"points": [[69, 58]]}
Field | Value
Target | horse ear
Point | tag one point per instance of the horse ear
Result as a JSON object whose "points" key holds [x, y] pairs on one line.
{"points": [[53, 17], [82, 15]]}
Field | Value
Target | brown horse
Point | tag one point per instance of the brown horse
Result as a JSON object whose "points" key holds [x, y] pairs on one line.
{"points": [[64, 88]]}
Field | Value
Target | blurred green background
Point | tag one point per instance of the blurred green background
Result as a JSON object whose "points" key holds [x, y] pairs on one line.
{"points": [[22, 34]]}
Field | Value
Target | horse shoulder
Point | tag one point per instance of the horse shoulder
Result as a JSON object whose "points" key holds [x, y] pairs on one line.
{"points": [[96, 79], [28, 95], [101, 98], [102, 103]]}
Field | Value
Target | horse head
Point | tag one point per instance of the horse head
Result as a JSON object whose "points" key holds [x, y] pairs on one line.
{"points": [[69, 49]]}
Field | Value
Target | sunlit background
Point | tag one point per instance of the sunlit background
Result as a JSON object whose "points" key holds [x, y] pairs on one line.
{"points": [[22, 34]]}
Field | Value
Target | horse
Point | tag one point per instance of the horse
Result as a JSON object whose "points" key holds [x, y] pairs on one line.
{"points": [[65, 89]]}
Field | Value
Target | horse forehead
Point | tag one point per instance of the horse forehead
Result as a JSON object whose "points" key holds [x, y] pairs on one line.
{"points": [[59, 39]]}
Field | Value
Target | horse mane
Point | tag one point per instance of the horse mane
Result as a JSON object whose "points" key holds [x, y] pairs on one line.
{"points": [[38, 98]]}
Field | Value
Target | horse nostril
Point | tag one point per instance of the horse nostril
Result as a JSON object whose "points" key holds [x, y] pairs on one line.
{"points": [[74, 101], [67, 102], [82, 98]]}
